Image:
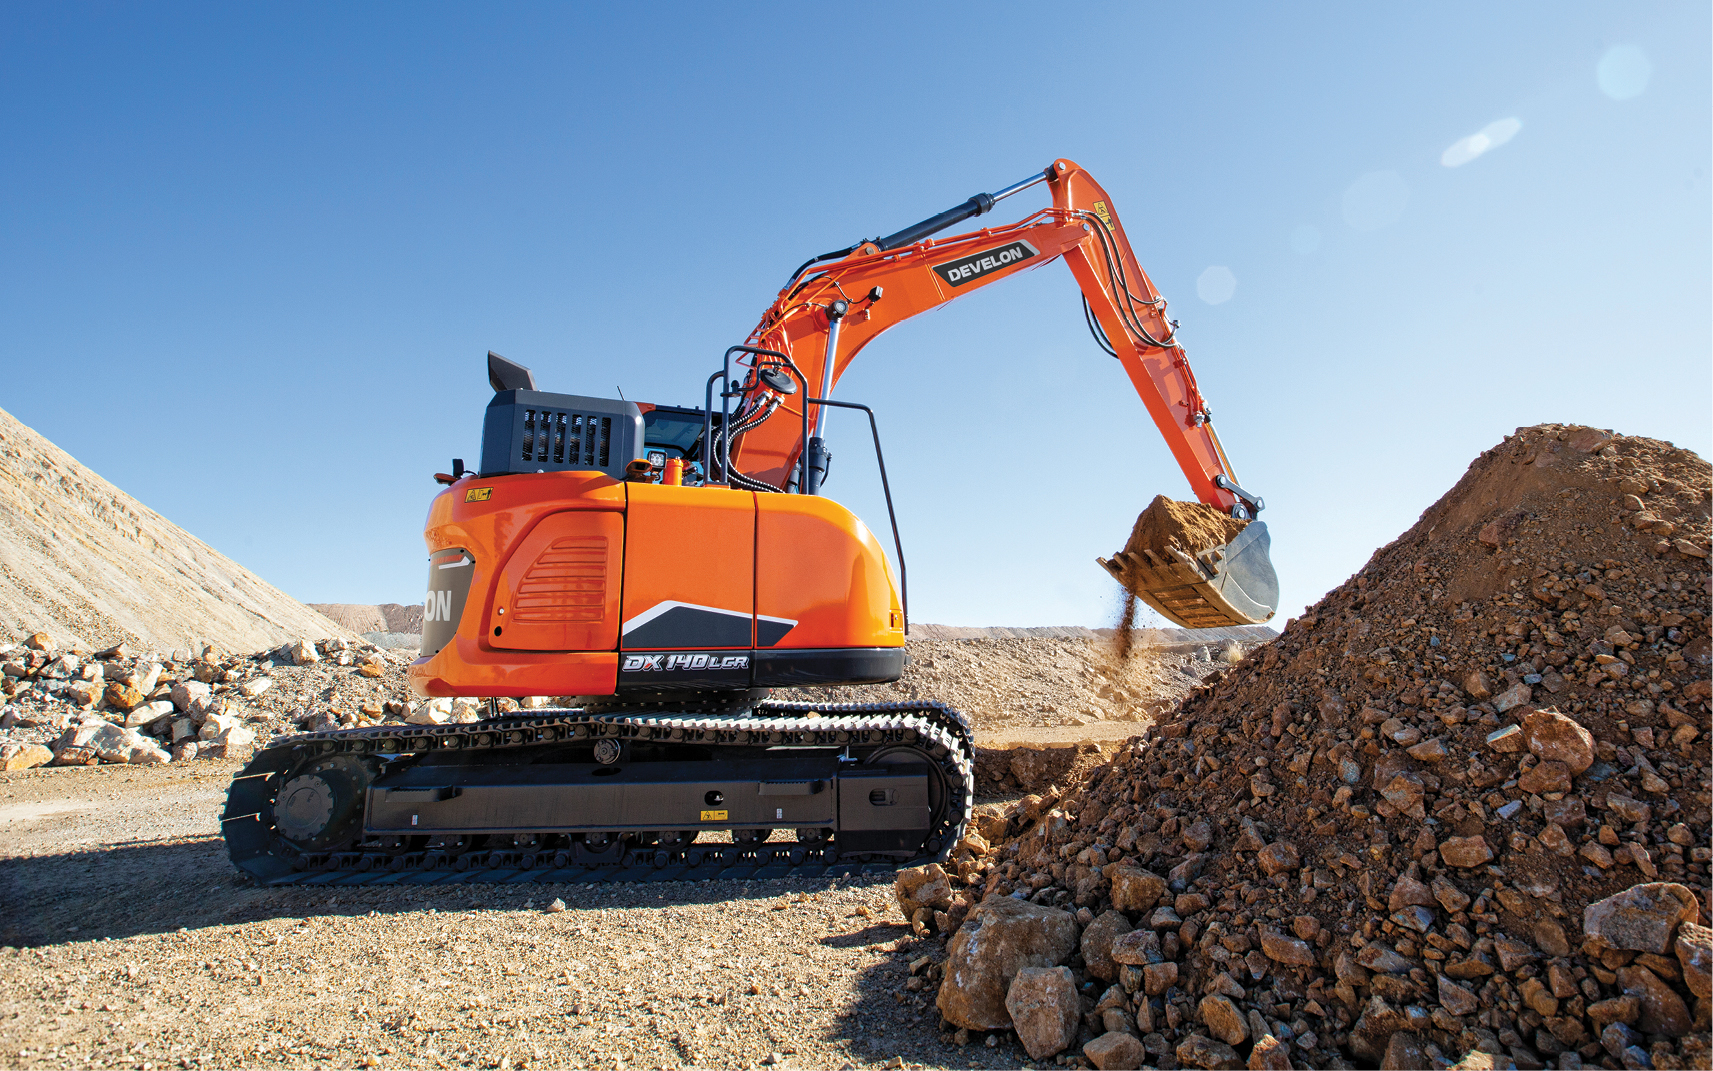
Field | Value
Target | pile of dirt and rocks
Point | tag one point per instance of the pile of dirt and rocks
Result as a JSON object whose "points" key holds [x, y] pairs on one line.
{"points": [[81, 559], [1458, 813]]}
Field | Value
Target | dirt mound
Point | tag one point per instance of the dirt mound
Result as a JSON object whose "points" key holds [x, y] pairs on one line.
{"points": [[1379, 833], [387, 617], [83, 560], [1189, 526]]}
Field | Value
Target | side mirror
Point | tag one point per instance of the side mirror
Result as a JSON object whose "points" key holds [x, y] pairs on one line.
{"points": [[777, 379]]}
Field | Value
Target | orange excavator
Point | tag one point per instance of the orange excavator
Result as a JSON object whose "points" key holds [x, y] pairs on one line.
{"points": [[662, 569]]}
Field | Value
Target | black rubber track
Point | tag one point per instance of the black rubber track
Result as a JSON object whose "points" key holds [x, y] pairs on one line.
{"points": [[258, 850]]}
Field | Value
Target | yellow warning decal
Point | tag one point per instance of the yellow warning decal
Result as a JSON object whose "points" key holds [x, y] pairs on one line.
{"points": [[715, 816], [1103, 212], [479, 494]]}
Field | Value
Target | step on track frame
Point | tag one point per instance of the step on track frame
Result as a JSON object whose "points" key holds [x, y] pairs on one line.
{"points": [[941, 733]]}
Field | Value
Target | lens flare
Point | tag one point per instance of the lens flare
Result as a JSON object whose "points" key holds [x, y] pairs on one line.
{"points": [[1487, 138], [1623, 72], [1216, 285]]}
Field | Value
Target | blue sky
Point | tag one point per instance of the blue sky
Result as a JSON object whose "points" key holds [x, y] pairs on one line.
{"points": [[253, 255]]}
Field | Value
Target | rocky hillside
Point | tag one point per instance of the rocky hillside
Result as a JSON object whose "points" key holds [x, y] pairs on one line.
{"points": [[87, 563], [387, 617]]}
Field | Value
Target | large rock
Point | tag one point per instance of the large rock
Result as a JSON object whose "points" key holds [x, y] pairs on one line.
{"points": [[1557, 738], [190, 696], [1663, 1011], [1695, 954], [1289, 950], [1278, 857], [1097, 944], [1044, 1009], [1200, 1051], [1115, 1051], [224, 736], [1405, 1052], [1545, 776], [303, 653], [1642, 918], [108, 743], [1465, 852], [1456, 999], [24, 756], [922, 887], [1223, 1019], [1136, 890], [1269, 1054], [1001, 937], [123, 696]]}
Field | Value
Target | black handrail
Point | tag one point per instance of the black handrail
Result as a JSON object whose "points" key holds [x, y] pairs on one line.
{"points": [[885, 486], [725, 410]]}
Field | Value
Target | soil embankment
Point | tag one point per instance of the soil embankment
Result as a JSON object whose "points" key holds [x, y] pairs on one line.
{"points": [[86, 562]]}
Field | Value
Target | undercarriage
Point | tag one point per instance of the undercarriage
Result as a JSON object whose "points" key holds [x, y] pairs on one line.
{"points": [[609, 792]]}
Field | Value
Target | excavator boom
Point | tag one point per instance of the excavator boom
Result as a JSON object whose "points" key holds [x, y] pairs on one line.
{"points": [[835, 305]]}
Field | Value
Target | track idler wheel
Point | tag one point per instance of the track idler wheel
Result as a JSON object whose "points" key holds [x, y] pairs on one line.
{"points": [[321, 804]]}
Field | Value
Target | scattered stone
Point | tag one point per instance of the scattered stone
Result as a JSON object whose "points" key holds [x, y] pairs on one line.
{"points": [[1282, 949], [24, 756], [1097, 941], [1642, 918], [1044, 1010], [1694, 947], [1663, 1011], [1223, 1020], [1269, 1054], [1136, 890], [1198, 1050], [1558, 738], [1465, 852]]}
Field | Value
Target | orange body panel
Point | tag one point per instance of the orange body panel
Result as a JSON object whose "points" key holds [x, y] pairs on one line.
{"points": [[820, 566], [490, 519], [691, 545], [577, 559], [559, 591]]}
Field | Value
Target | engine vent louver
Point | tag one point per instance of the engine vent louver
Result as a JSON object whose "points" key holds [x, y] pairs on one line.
{"points": [[530, 431], [547, 435]]}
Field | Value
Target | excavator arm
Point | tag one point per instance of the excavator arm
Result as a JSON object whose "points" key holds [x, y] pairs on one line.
{"points": [[837, 304]]}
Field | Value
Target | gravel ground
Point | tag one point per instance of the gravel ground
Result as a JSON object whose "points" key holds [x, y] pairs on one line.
{"points": [[132, 942]]}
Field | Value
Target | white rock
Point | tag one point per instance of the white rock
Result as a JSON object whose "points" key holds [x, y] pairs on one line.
{"points": [[535, 702], [148, 714], [186, 694], [429, 714], [150, 677], [303, 653], [183, 729], [61, 668], [466, 710], [225, 730], [254, 688]]}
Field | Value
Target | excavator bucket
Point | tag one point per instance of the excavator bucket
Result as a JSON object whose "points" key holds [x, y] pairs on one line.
{"points": [[1198, 567]]}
